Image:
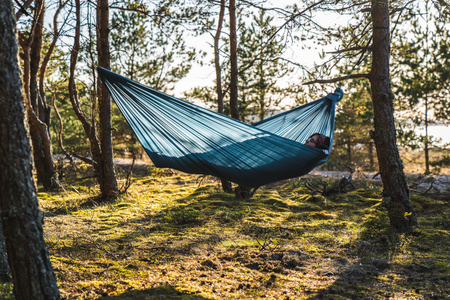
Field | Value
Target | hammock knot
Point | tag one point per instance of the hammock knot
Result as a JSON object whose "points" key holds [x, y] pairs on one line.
{"points": [[337, 95]]}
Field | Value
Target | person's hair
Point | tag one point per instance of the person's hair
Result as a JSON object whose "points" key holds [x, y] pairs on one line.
{"points": [[323, 142]]}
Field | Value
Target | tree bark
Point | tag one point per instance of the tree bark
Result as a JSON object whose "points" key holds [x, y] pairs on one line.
{"points": [[395, 189], [234, 108], [38, 110], [219, 91], [427, 143], [109, 182], [371, 157], [107, 190], [241, 191], [5, 272], [226, 185], [349, 150], [32, 273], [89, 128]]}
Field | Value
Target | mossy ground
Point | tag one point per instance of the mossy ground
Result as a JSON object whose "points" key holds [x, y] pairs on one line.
{"points": [[177, 236]]}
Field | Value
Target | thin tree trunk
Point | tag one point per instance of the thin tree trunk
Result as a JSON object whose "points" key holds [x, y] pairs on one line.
{"points": [[371, 157], [234, 108], [226, 185], [35, 56], [109, 182], [219, 91], [48, 55], [241, 191], [349, 150], [400, 210], [427, 144], [89, 129], [32, 273], [38, 110]]}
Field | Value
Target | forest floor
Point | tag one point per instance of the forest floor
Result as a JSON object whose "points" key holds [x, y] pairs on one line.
{"points": [[178, 236]]}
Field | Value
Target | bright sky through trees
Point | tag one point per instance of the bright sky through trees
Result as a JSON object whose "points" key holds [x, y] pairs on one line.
{"points": [[301, 52], [305, 52]]}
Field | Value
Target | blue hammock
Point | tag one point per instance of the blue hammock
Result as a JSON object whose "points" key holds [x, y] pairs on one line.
{"points": [[183, 136]]}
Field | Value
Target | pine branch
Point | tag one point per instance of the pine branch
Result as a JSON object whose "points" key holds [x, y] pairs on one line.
{"points": [[337, 79]]}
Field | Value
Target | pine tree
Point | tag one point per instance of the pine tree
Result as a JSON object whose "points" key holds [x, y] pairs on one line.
{"points": [[423, 85], [354, 119], [261, 68]]}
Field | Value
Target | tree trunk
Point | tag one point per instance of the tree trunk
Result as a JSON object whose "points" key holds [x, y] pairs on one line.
{"points": [[400, 210], [226, 185], [234, 108], [241, 191], [427, 144], [38, 110], [5, 272], [349, 150], [219, 91], [89, 129], [371, 158], [107, 193], [32, 273], [108, 185]]}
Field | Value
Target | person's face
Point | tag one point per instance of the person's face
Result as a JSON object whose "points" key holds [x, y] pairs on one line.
{"points": [[312, 141]]}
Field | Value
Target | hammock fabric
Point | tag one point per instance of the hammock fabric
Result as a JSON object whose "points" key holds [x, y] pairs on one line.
{"points": [[183, 136]]}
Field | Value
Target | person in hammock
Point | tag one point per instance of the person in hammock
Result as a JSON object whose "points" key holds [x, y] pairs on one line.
{"points": [[318, 140]]}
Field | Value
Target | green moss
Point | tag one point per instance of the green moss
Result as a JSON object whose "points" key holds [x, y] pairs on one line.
{"points": [[276, 204], [375, 226], [322, 215], [424, 204], [6, 291], [173, 237]]}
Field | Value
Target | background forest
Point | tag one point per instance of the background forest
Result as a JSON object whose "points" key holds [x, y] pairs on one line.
{"points": [[122, 229], [154, 44]]}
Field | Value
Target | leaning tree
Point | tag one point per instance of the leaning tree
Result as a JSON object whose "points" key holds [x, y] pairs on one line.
{"points": [[31, 270]]}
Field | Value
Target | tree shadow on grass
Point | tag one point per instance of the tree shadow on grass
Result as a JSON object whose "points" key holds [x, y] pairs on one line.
{"points": [[163, 293], [358, 281], [386, 269], [378, 278]]}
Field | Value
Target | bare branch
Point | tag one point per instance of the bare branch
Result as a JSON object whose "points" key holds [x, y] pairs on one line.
{"points": [[133, 9], [276, 9], [275, 33], [61, 125], [84, 159], [356, 48], [128, 181], [50, 50], [23, 8], [337, 79]]}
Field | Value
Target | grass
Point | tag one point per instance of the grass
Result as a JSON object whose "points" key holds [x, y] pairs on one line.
{"points": [[177, 236]]}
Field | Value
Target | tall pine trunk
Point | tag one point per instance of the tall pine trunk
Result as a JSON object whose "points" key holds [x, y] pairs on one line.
{"points": [[108, 184], [31, 270], [226, 185], [234, 107], [241, 191], [108, 189], [395, 189]]}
